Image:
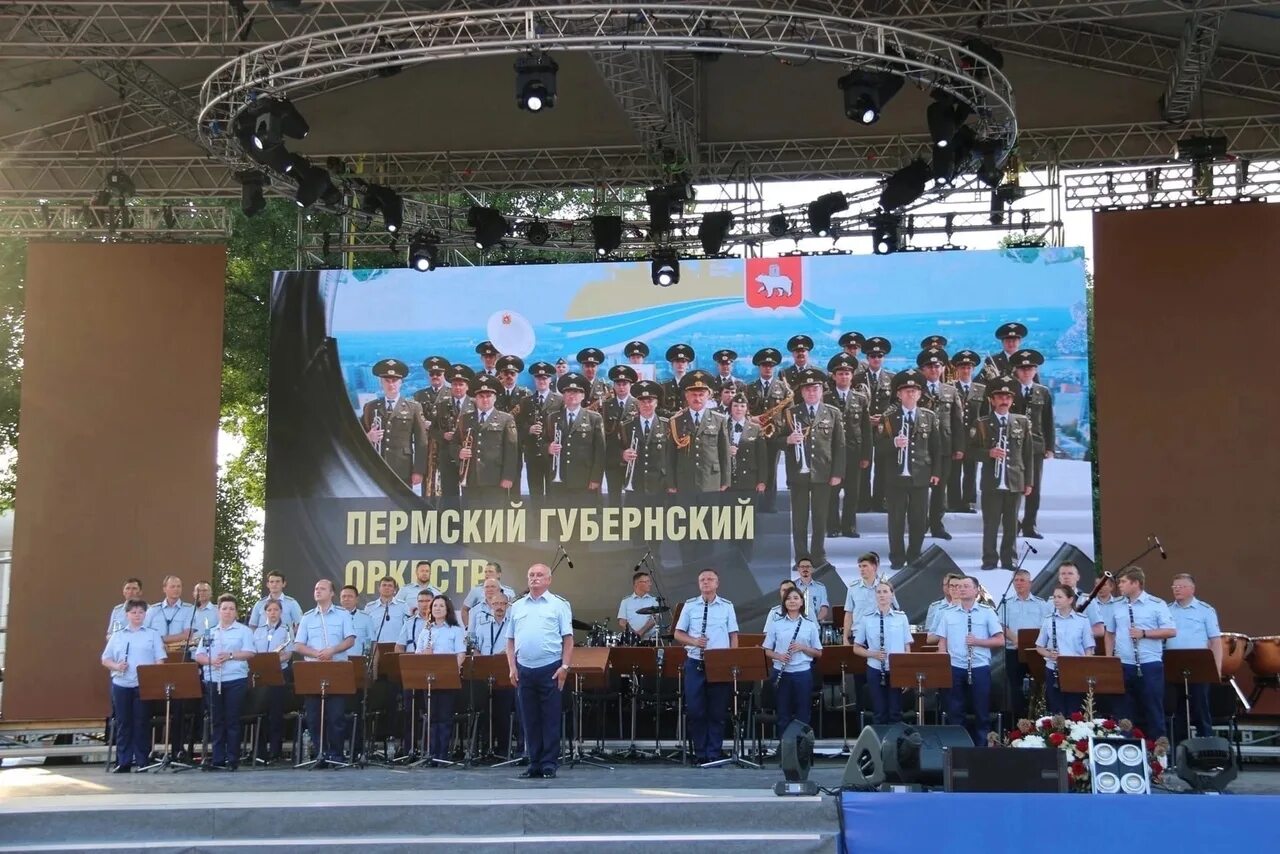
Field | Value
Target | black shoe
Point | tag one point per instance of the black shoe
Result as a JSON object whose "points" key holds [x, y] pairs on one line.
{"points": [[940, 534], [122, 769], [833, 533], [970, 508], [1030, 532], [988, 566], [549, 774], [531, 774], [851, 533], [897, 565], [1006, 564]]}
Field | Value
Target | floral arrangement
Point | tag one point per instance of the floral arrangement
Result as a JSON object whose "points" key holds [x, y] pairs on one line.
{"points": [[1072, 735]]}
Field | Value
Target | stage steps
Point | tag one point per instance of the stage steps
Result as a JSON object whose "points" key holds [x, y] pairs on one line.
{"points": [[499, 820]]}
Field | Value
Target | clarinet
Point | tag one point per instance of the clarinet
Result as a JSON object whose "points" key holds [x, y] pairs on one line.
{"points": [[968, 652], [884, 667], [777, 680], [1137, 661]]}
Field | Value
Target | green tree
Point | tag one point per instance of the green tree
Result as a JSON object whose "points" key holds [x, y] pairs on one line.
{"points": [[13, 271]]}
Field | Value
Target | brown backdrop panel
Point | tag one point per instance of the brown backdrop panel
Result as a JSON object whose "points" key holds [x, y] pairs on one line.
{"points": [[1187, 310], [117, 467]]}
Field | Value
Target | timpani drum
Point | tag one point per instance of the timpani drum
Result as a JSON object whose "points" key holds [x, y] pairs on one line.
{"points": [[1264, 656], [1234, 648]]}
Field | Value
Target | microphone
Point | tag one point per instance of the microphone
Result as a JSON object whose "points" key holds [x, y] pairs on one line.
{"points": [[1034, 550], [567, 559], [642, 560], [1156, 541]]}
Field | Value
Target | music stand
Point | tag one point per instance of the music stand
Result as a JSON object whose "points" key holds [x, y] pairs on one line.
{"points": [[635, 661], [495, 672], [1089, 675], [169, 682], [587, 665], [920, 670], [920, 642], [749, 639], [1027, 654], [264, 673], [430, 672], [323, 679], [671, 661], [734, 665], [1190, 666], [842, 661]]}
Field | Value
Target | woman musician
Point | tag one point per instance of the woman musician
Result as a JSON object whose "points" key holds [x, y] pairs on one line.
{"points": [[225, 656], [274, 636], [442, 635], [1064, 632], [877, 635], [792, 642]]}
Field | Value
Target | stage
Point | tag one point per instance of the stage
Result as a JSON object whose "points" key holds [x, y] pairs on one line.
{"points": [[647, 807]]}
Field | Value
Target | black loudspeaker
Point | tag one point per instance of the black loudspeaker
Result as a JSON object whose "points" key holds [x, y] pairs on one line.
{"points": [[920, 584], [982, 769], [797, 751], [1042, 585], [897, 754]]}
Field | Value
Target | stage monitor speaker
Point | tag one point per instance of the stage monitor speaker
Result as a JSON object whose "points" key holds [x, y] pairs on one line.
{"points": [[981, 769], [919, 584], [1042, 584], [897, 754], [796, 751]]}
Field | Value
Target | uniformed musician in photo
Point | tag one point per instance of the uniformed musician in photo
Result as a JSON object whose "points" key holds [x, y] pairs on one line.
{"points": [[644, 455], [909, 451], [815, 459], [589, 361], [396, 426], [1036, 402], [998, 365], [748, 452], [850, 346], [437, 388], [799, 346], [768, 396], [879, 382], [1002, 441], [968, 632], [707, 621], [962, 486], [488, 359], [619, 406], [944, 400], [511, 394], [636, 352], [698, 454], [852, 402], [444, 428], [725, 360], [680, 357], [574, 438], [487, 450], [543, 403]]}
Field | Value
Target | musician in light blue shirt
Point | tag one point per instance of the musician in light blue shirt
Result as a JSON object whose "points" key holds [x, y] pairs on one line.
{"points": [[349, 599], [968, 633], [1063, 632], [225, 655], [707, 621], [325, 634], [387, 613], [776, 612], [206, 610], [290, 610], [1140, 619], [441, 634], [931, 616], [539, 652], [407, 641], [645, 626], [878, 635], [861, 598], [490, 635], [132, 645], [1020, 610], [275, 636], [1197, 625], [816, 604], [793, 644], [119, 619], [174, 620], [478, 594], [408, 595]]}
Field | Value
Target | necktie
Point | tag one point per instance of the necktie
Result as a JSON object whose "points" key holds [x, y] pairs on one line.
{"points": [[645, 427], [484, 417], [964, 387], [542, 398], [569, 417], [391, 404], [697, 418], [843, 398], [911, 419], [737, 428], [933, 388], [1026, 392], [1003, 422], [813, 412]]}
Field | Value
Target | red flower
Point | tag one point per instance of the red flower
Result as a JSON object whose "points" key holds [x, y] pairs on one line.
{"points": [[1077, 768], [1109, 724], [1046, 725], [1056, 739], [1137, 733], [1077, 716], [1082, 745]]}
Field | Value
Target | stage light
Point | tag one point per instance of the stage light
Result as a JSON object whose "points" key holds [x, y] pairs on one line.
{"points": [[866, 93], [252, 200], [661, 207], [884, 233], [779, 225], [821, 210], [606, 231], [314, 185], [536, 82], [490, 226], [941, 118], [1206, 764], [664, 269], [714, 230], [905, 186], [796, 758], [424, 251], [1119, 766], [274, 120], [537, 233], [384, 200]]}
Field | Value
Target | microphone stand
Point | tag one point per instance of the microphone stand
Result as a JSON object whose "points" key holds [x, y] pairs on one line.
{"points": [[1153, 543], [1004, 612]]}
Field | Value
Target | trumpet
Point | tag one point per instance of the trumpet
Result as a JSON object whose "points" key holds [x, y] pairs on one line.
{"points": [[904, 456], [1002, 465], [631, 466], [765, 419], [555, 460], [377, 425], [468, 442], [802, 457]]}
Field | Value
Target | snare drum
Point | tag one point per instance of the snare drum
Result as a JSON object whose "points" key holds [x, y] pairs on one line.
{"points": [[1264, 657], [830, 634], [627, 637], [1234, 648]]}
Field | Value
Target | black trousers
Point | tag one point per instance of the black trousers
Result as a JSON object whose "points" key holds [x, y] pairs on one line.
{"points": [[809, 497], [845, 516], [1033, 500], [538, 471], [962, 485], [769, 502], [938, 497], [908, 516], [1014, 672], [1000, 513]]}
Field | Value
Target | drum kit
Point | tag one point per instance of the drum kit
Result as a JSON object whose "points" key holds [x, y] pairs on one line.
{"points": [[600, 634]]}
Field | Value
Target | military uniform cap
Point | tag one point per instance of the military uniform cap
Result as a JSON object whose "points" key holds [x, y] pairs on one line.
{"points": [[636, 348], [623, 372], [542, 369], [510, 363], [486, 383], [932, 342], [739, 398], [590, 356], [724, 356], [435, 363], [931, 356], [810, 376], [767, 356], [486, 348], [723, 383], [841, 362], [391, 368], [697, 379], [966, 357], [877, 346], [573, 381], [799, 342], [1003, 385], [679, 351], [647, 390], [1026, 359], [461, 372], [1011, 330], [562, 361], [852, 339], [909, 379]]}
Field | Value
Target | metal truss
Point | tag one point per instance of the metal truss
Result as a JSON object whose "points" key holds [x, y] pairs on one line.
{"points": [[659, 96], [1195, 55], [1181, 184], [114, 222]]}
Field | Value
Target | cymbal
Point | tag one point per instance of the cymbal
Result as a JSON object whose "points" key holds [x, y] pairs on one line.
{"points": [[653, 609], [580, 626]]}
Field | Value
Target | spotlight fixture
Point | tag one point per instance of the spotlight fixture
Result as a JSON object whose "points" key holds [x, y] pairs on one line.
{"points": [[941, 118], [537, 233], [314, 185], [664, 269], [714, 230], [1205, 764], [821, 210], [866, 93], [779, 225], [424, 250], [989, 171], [536, 82], [1119, 766], [274, 120], [120, 183], [906, 185], [606, 231], [884, 233], [661, 207], [252, 199], [490, 226], [384, 200]]}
